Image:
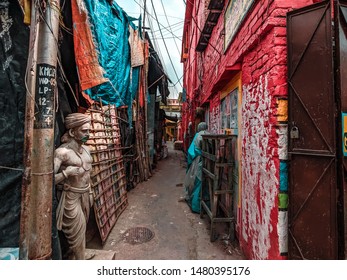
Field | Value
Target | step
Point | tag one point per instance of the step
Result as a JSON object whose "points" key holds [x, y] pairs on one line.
{"points": [[101, 254]]}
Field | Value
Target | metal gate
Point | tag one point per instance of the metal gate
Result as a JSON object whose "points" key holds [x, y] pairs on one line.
{"points": [[341, 87], [312, 145]]}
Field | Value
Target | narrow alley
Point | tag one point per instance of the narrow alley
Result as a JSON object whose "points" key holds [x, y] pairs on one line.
{"points": [[111, 109], [179, 234]]}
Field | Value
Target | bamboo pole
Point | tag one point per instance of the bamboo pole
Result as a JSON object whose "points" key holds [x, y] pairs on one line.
{"points": [[138, 146], [27, 11], [147, 171], [36, 215]]}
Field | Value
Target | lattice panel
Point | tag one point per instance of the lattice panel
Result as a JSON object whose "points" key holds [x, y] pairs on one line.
{"points": [[108, 175]]}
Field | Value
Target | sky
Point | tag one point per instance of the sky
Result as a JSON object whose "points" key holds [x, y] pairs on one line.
{"points": [[167, 39]]}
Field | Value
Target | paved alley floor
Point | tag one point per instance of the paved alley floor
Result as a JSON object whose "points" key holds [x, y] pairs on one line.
{"points": [[179, 234]]}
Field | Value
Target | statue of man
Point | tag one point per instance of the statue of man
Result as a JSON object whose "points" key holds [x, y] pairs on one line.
{"points": [[72, 166]]}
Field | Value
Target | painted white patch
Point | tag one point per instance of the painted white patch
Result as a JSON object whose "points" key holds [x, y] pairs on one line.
{"points": [[282, 228], [214, 120], [259, 178], [5, 24], [282, 132], [7, 62]]}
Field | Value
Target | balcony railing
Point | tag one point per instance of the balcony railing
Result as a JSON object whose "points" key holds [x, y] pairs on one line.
{"points": [[215, 8]]}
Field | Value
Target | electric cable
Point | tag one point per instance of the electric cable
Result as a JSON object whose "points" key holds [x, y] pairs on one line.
{"points": [[165, 44], [173, 27], [154, 18], [157, 50], [197, 26], [155, 41], [157, 38], [170, 27]]}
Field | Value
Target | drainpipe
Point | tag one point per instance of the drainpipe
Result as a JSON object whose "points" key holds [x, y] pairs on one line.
{"points": [[37, 184]]}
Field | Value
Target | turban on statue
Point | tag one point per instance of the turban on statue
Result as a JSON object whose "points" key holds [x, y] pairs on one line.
{"points": [[76, 120]]}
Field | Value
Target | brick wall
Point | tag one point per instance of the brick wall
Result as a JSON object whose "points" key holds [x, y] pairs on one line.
{"points": [[262, 51], [260, 47]]}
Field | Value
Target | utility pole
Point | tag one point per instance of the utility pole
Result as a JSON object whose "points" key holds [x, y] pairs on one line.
{"points": [[37, 184]]}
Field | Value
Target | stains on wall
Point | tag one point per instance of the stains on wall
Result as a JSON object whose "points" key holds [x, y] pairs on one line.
{"points": [[259, 173]]}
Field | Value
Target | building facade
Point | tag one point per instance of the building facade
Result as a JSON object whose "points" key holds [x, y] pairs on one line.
{"points": [[235, 56], [172, 125]]}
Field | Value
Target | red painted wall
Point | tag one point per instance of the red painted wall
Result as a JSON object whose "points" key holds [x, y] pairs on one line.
{"points": [[260, 48]]}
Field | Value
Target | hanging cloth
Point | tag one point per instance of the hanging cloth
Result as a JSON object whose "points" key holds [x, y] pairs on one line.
{"points": [[136, 48], [89, 70]]}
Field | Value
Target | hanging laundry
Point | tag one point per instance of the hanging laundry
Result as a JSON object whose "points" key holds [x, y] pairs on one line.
{"points": [[136, 48], [110, 29], [90, 72]]}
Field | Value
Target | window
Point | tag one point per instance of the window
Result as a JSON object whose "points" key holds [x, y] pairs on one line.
{"points": [[229, 111]]}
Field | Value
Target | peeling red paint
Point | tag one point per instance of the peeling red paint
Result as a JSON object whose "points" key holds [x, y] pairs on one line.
{"points": [[260, 49]]}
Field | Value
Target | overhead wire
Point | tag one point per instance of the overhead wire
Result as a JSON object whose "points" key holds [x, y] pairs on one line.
{"points": [[197, 26], [157, 50], [190, 47], [176, 26], [179, 28], [41, 15], [133, 13], [170, 27], [155, 18], [159, 38], [160, 26], [173, 67], [159, 53], [187, 66]]}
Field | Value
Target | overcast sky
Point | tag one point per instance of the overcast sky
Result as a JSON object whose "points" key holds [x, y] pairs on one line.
{"points": [[171, 27]]}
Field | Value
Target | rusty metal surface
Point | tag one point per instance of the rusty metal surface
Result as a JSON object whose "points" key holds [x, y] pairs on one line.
{"points": [[341, 36], [138, 235], [216, 5], [312, 166]]}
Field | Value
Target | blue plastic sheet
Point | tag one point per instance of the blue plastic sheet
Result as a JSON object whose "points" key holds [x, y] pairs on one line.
{"points": [[110, 29]]}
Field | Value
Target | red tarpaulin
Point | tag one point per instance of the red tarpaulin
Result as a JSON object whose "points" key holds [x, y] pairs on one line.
{"points": [[89, 70]]}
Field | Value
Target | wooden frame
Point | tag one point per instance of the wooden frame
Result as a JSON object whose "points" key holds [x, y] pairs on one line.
{"points": [[234, 16], [108, 173]]}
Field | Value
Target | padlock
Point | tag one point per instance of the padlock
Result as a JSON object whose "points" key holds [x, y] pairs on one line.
{"points": [[294, 133]]}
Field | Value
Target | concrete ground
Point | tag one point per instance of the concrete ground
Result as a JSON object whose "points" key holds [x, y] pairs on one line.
{"points": [[179, 234]]}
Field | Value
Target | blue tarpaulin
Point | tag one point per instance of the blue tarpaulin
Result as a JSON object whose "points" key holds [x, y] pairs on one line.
{"points": [[110, 29]]}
